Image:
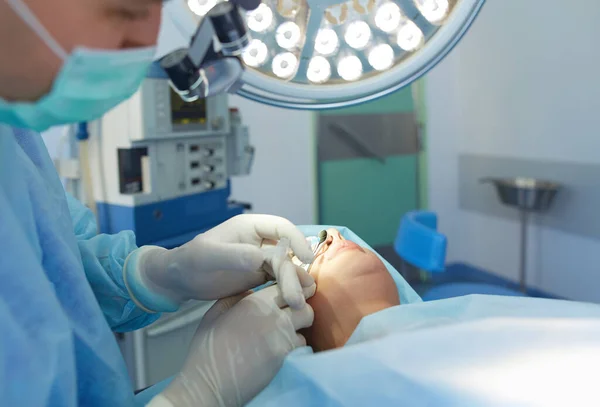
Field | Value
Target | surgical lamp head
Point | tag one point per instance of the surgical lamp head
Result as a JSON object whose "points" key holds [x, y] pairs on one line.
{"points": [[210, 64], [314, 54]]}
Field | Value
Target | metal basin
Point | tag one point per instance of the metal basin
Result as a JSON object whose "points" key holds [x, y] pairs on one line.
{"points": [[527, 194]]}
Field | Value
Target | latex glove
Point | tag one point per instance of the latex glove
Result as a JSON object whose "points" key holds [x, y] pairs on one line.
{"points": [[226, 260], [237, 350]]}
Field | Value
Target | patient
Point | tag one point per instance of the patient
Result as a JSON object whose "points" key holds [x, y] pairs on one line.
{"points": [[351, 283], [464, 351]]}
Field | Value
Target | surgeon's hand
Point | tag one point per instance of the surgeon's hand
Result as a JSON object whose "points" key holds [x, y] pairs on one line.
{"points": [[237, 349], [226, 260]]}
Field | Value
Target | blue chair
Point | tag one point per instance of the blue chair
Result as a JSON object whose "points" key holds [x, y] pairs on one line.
{"points": [[420, 245]]}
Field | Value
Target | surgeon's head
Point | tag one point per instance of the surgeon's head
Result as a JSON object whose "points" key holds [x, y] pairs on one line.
{"points": [[351, 283], [28, 66]]}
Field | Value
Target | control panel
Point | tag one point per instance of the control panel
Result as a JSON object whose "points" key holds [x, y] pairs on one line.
{"points": [[207, 166], [155, 147]]}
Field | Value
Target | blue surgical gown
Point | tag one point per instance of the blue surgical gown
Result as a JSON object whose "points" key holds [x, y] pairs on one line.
{"points": [[61, 289]]}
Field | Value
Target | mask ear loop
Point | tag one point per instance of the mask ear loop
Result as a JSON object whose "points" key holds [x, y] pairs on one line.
{"points": [[31, 20]]}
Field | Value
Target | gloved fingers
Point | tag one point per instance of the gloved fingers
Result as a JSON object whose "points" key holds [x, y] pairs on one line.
{"points": [[231, 283], [252, 280], [277, 297], [306, 280], [309, 291], [222, 306], [301, 341], [300, 318], [268, 269], [289, 282], [268, 243], [272, 295], [241, 257], [274, 228]]}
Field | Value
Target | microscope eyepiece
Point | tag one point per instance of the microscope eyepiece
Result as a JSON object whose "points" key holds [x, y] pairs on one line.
{"points": [[184, 75], [230, 27]]}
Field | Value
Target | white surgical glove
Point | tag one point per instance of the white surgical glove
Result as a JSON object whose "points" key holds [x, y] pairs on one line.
{"points": [[237, 350], [226, 260]]}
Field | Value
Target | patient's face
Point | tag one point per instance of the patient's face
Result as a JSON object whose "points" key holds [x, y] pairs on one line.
{"points": [[351, 283]]}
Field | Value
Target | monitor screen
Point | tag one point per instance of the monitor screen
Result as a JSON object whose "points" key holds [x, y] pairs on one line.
{"points": [[183, 113]]}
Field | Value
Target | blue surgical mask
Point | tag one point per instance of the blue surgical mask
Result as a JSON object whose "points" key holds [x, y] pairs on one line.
{"points": [[90, 82]]}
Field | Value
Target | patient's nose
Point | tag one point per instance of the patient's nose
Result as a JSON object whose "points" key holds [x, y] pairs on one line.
{"points": [[333, 234]]}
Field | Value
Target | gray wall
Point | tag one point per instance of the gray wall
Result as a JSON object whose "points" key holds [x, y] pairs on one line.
{"points": [[574, 210], [521, 86]]}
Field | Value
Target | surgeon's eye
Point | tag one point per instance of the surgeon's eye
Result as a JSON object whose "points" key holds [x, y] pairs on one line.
{"points": [[131, 15]]}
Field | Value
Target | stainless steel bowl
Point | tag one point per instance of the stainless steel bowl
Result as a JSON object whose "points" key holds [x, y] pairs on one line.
{"points": [[528, 194]]}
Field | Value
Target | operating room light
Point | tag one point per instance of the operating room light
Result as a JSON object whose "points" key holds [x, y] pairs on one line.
{"points": [[409, 37], [260, 19], [433, 10], [313, 54], [201, 7], [288, 8], [256, 53], [387, 17], [288, 35], [350, 68], [381, 57], [358, 35], [284, 65], [319, 70], [327, 42]]}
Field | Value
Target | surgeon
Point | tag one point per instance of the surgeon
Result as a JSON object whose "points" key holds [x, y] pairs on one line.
{"points": [[63, 288]]}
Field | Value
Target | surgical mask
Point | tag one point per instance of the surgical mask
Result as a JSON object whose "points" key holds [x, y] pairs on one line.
{"points": [[90, 82]]}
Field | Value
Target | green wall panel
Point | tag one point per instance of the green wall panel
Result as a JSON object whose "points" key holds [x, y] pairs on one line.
{"points": [[400, 101], [418, 89], [367, 196]]}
